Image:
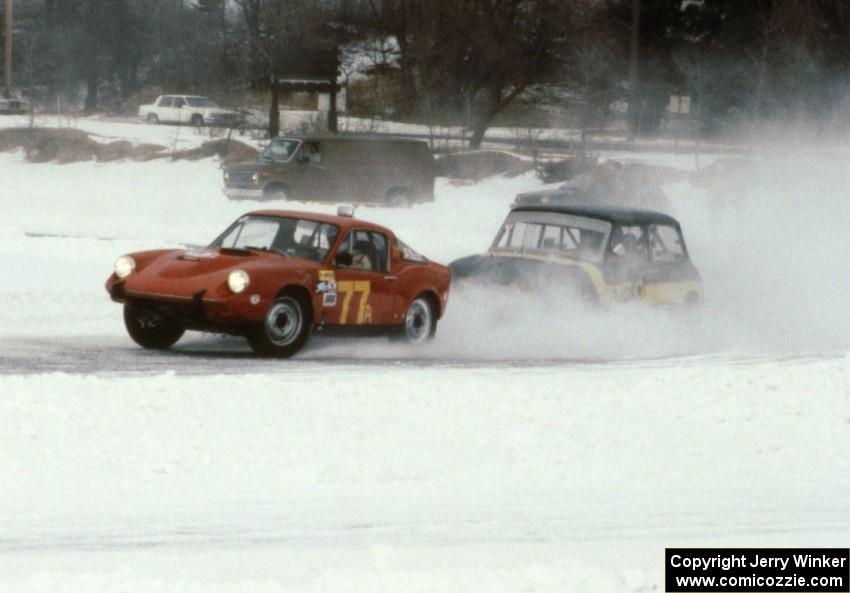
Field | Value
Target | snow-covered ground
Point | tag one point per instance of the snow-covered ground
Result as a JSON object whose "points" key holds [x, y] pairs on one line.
{"points": [[351, 478], [521, 451], [108, 130]]}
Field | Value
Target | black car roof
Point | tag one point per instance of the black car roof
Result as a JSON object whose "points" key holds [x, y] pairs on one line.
{"points": [[625, 216]]}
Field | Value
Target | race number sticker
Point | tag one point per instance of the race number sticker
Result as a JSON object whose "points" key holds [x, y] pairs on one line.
{"points": [[349, 288], [327, 287]]}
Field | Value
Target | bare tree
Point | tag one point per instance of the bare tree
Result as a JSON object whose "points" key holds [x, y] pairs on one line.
{"points": [[481, 54]]}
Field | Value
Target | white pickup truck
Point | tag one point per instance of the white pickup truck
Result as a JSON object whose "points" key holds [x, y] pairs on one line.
{"points": [[189, 109]]}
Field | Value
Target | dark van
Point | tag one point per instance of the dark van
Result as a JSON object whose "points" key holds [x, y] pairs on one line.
{"points": [[393, 171]]}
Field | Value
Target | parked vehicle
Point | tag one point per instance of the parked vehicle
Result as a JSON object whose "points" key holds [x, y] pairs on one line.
{"points": [[274, 276], [595, 254], [189, 109], [358, 169], [13, 106]]}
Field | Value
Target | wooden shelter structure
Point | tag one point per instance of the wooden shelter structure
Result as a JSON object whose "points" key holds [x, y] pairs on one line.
{"points": [[305, 70]]}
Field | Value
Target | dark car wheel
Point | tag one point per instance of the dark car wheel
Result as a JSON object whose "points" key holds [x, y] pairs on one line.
{"points": [[152, 118], [276, 193], [420, 321], [400, 198], [284, 329], [148, 332]]}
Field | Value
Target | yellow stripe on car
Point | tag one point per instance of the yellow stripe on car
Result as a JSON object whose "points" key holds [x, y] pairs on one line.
{"points": [[604, 292], [660, 293], [672, 293]]}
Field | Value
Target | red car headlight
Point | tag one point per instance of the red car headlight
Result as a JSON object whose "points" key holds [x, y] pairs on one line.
{"points": [[238, 280], [124, 266]]}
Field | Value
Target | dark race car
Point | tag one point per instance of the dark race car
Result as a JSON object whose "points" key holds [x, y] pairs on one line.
{"points": [[274, 276], [597, 254]]}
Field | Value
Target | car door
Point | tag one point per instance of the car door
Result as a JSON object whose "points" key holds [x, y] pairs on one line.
{"points": [[316, 174], [165, 109], [364, 287], [626, 262], [181, 110], [670, 277]]}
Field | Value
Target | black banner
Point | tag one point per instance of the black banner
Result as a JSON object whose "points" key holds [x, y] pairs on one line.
{"points": [[757, 570]]}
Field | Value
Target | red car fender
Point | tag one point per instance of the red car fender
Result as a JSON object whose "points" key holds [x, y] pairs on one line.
{"points": [[415, 279]]}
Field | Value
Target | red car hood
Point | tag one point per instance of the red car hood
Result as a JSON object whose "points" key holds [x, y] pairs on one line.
{"points": [[182, 273]]}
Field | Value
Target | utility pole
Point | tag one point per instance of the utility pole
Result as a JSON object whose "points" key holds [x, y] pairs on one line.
{"points": [[634, 74], [7, 64]]}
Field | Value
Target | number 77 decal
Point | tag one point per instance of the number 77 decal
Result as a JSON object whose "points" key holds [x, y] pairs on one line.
{"points": [[348, 288]]}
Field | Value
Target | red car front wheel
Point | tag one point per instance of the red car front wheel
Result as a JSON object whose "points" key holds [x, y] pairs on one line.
{"points": [[284, 329], [149, 332]]}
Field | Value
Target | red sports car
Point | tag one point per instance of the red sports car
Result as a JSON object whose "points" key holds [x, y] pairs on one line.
{"points": [[274, 276]]}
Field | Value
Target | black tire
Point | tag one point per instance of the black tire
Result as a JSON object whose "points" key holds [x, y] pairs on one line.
{"points": [[420, 321], [587, 292], [284, 329], [276, 193], [149, 334], [152, 118], [197, 120], [400, 198]]}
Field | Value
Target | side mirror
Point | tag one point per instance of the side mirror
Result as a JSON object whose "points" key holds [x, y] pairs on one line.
{"points": [[344, 259]]}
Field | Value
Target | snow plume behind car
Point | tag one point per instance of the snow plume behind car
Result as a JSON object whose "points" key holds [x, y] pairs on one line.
{"points": [[501, 324], [775, 253]]}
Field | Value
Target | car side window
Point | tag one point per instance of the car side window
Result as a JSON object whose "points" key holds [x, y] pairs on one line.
{"points": [[382, 251], [665, 244], [366, 251], [551, 239], [165, 102], [280, 151], [407, 253], [179, 102], [628, 241], [313, 152]]}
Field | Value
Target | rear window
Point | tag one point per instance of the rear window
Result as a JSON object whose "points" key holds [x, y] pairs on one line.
{"points": [[665, 244], [552, 234], [407, 253]]}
